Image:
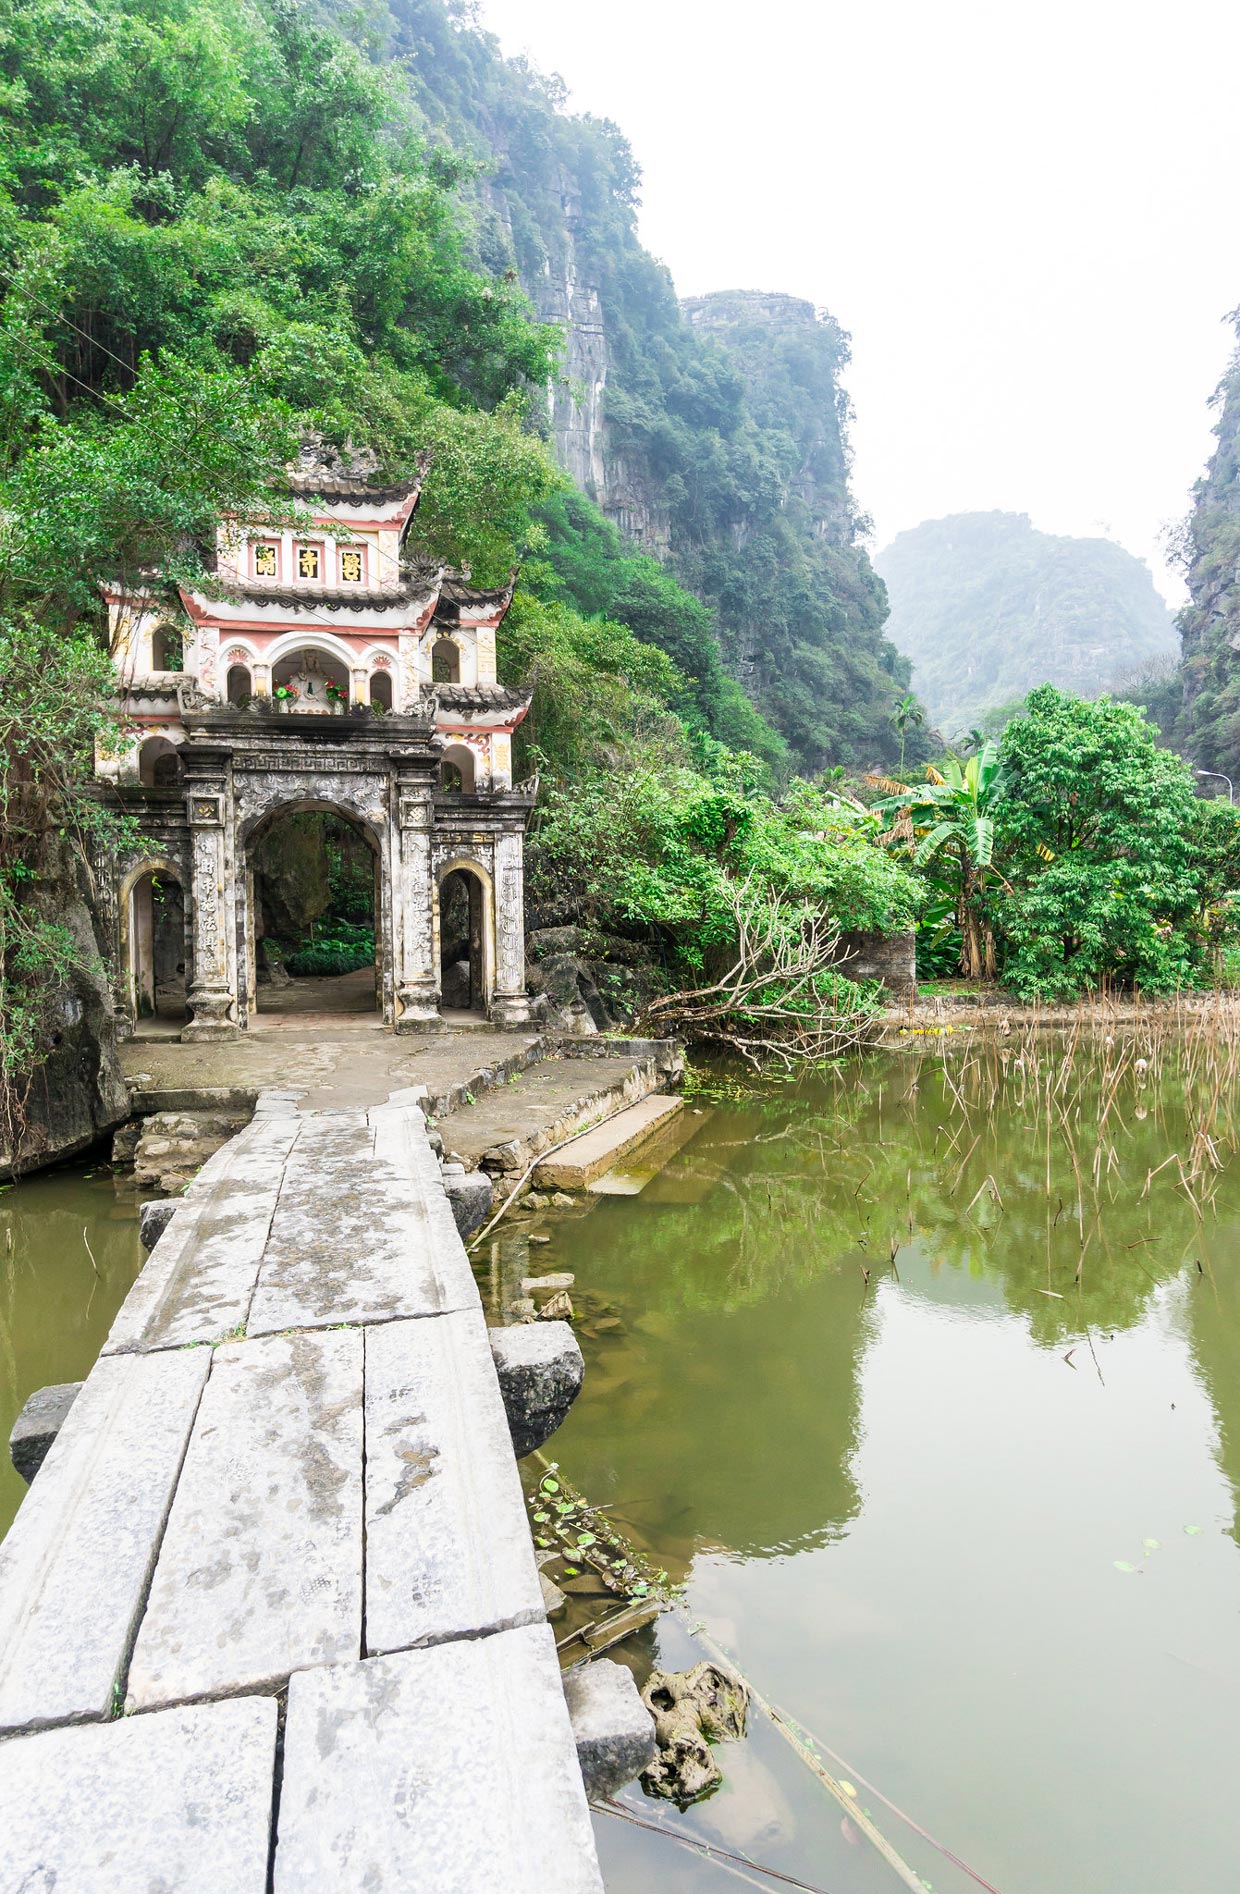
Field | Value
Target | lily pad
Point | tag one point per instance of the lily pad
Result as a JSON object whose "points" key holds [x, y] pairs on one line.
{"points": [[1192, 1531], [1122, 1565], [1151, 1545]]}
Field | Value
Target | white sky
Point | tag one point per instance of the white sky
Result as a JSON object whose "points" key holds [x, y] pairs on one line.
{"points": [[1025, 216]]}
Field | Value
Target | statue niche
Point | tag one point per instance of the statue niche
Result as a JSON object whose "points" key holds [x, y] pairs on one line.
{"points": [[310, 684]]}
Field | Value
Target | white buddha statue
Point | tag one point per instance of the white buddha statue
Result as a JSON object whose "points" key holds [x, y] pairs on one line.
{"points": [[311, 683]]}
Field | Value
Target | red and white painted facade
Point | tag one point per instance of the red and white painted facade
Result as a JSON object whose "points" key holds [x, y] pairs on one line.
{"points": [[332, 611]]}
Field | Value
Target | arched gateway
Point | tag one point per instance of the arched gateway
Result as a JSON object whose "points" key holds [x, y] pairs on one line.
{"points": [[329, 627]]}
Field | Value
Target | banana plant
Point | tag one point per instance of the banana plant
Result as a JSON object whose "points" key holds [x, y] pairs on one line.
{"points": [[946, 825]]}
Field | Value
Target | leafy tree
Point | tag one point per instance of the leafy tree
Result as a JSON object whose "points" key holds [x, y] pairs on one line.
{"points": [[907, 715], [1095, 828]]}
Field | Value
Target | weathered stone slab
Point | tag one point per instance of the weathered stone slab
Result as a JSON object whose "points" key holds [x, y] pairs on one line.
{"points": [[181, 1800], [540, 1369], [612, 1728], [631, 1176], [199, 1279], [261, 1567], [448, 1550], [588, 1157], [471, 1195], [151, 1099], [75, 1564], [448, 1771], [38, 1424], [363, 1231]]}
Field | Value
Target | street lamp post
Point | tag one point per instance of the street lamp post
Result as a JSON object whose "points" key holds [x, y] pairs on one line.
{"points": [[1231, 794]]}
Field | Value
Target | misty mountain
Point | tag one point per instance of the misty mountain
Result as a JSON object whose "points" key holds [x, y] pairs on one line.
{"points": [[712, 434], [987, 607]]}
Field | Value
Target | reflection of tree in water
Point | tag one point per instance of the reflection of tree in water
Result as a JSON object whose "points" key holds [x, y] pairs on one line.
{"points": [[1060, 1168], [730, 1398]]}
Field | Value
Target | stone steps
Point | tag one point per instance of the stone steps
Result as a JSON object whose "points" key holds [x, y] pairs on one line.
{"points": [[588, 1157], [506, 1130]]}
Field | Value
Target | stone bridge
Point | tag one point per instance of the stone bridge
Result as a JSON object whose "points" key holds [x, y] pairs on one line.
{"points": [[269, 1614]]}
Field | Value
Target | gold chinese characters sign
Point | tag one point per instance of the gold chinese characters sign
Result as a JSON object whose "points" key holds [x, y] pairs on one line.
{"points": [[264, 562], [308, 562], [351, 566]]}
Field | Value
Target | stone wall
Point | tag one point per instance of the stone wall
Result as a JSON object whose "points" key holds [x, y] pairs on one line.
{"points": [[78, 1092], [891, 958]]}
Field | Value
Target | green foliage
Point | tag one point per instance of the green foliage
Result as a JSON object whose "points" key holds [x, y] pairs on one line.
{"points": [[590, 566], [598, 689], [1094, 829], [53, 709], [1206, 718], [338, 947], [947, 828], [655, 851], [221, 227], [1072, 856], [987, 608]]}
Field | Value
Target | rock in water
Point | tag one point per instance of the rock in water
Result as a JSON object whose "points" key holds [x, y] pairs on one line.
{"points": [[612, 1728], [692, 1709]]}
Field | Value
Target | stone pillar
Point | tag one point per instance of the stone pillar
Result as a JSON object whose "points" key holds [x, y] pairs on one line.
{"points": [[212, 999], [417, 985], [360, 683], [510, 1004]]}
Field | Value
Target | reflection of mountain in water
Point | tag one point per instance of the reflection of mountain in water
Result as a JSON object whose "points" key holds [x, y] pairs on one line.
{"points": [[1214, 1327], [741, 1284]]}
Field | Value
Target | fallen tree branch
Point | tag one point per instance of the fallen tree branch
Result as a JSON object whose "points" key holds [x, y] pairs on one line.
{"points": [[780, 1001]]}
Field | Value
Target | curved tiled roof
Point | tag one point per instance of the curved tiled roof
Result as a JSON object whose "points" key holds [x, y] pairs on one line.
{"points": [[482, 696], [335, 489], [415, 586]]}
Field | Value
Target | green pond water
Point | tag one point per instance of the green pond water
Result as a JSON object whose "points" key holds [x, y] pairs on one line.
{"points": [[55, 1311], [979, 1538], [915, 1495]]}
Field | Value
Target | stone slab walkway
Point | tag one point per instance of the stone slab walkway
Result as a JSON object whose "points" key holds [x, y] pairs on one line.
{"points": [[333, 1064], [289, 1475]]}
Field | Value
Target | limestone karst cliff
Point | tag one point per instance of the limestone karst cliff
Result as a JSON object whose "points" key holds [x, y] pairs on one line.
{"points": [[713, 435], [1209, 718], [987, 607]]}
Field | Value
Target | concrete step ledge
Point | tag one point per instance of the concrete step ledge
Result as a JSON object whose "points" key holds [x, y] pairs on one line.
{"points": [[577, 1166]]}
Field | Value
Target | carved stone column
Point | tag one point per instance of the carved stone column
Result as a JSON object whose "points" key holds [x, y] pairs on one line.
{"points": [[212, 998], [510, 1004], [417, 987]]}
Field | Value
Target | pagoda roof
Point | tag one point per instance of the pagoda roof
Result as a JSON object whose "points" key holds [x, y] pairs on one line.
{"points": [[335, 489], [483, 696], [339, 475], [415, 586], [457, 594]]}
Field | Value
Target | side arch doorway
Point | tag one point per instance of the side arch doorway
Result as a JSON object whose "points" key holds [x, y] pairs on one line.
{"points": [[315, 915], [158, 954], [466, 941]]}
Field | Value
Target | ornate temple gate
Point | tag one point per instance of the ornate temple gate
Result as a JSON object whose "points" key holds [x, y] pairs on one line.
{"points": [[243, 771], [326, 666]]}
